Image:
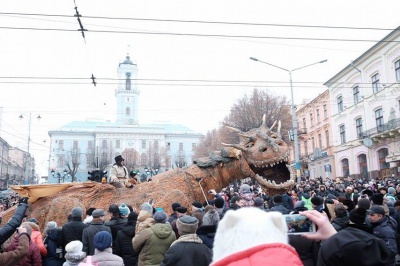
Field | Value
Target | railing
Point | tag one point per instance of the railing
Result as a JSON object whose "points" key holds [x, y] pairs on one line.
{"points": [[391, 125], [302, 131]]}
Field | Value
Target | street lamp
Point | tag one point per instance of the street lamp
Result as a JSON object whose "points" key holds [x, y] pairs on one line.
{"points": [[28, 163], [294, 117], [150, 171]]}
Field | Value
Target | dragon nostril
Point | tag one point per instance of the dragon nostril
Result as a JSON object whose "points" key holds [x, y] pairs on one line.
{"points": [[263, 149]]}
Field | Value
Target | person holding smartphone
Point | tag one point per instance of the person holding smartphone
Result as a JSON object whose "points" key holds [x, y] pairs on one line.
{"points": [[12, 257]]}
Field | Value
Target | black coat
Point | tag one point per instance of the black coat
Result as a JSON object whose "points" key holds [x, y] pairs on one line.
{"points": [[72, 231], [279, 208], [340, 223], [11, 226], [115, 224], [187, 254], [207, 234], [89, 233], [55, 256], [124, 247], [306, 248]]}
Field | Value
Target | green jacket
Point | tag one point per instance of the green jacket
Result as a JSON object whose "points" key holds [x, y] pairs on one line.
{"points": [[152, 243]]}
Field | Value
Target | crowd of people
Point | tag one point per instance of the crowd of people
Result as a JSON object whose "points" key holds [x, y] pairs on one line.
{"points": [[241, 225]]}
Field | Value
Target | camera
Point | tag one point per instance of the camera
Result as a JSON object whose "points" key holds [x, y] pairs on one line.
{"points": [[298, 224], [210, 191]]}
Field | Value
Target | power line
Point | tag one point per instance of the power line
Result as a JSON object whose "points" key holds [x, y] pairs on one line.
{"points": [[204, 22], [205, 35]]}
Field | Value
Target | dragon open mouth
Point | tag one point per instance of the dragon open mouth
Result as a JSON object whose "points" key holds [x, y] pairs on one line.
{"points": [[267, 155]]}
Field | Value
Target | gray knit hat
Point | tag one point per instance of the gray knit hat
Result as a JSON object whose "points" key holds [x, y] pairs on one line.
{"points": [[187, 225]]}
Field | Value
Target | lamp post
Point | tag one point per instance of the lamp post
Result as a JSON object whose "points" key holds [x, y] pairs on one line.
{"points": [[294, 117], [29, 161], [59, 177], [150, 171]]}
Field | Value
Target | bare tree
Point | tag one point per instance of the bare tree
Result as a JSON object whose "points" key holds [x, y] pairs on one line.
{"points": [[131, 157], [72, 162], [246, 114]]}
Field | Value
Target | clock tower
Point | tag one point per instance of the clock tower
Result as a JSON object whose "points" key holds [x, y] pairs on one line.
{"points": [[127, 93]]}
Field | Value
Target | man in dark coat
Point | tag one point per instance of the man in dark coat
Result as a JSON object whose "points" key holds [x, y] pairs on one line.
{"points": [[188, 249], [208, 228], [123, 243], [115, 223], [341, 219], [278, 205], [89, 232], [73, 229], [8, 230]]}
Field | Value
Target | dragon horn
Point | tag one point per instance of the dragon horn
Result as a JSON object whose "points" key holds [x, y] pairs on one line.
{"points": [[236, 146], [273, 125], [244, 135], [234, 129], [264, 121], [279, 127]]}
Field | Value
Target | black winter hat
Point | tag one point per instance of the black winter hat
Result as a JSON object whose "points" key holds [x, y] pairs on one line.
{"points": [[358, 215], [317, 200], [377, 199], [132, 217]]}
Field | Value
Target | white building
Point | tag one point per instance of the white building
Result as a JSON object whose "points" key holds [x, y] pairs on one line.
{"points": [[365, 99], [82, 146]]}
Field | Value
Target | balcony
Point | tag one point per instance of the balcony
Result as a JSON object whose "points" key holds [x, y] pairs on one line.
{"points": [[390, 129], [302, 131]]}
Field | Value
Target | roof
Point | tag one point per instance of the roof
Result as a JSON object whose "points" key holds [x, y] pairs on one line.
{"points": [[127, 61], [107, 126]]}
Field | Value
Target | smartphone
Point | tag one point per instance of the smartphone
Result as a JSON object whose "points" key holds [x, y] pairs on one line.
{"points": [[298, 224]]}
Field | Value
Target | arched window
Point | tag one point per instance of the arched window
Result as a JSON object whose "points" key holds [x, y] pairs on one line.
{"points": [[128, 81], [362, 162], [345, 167], [382, 153], [128, 111]]}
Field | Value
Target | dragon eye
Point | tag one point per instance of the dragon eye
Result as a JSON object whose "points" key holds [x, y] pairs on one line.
{"points": [[249, 145], [274, 136]]}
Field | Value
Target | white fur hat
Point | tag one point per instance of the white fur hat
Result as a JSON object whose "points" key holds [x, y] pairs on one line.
{"points": [[74, 246], [246, 228]]}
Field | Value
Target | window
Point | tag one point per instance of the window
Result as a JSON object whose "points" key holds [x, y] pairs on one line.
{"points": [[60, 162], [168, 146], [104, 143], [75, 144], [305, 147], [375, 83], [342, 134], [327, 138], [340, 103], [311, 120], [143, 144], [397, 69], [382, 153], [168, 163], [320, 140], [345, 168], [356, 95], [180, 146], [156, 145], [362, 163], [143, 159], [90, 144], [193, 146], [313, 143], [359, 128], [304, 123], [318, 117], [118, 144], [60, 144], [128, 111], [128, 81], [379, 119], [325, 112], [104, 157]]}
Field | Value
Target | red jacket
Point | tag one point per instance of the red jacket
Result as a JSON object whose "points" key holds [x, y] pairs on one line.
{"points": [[276, 254], [33, 257]]}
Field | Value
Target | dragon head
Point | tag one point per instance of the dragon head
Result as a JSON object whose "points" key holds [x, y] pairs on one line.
{"points": [[267, 155]]}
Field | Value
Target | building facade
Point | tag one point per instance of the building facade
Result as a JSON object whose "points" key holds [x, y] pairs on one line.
{"points": [[83, 146], [315, 138], [365, 100]]}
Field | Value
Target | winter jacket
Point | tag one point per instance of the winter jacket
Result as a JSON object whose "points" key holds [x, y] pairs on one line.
{"points": [[287, 202], [306, 248], [386, 229], [32, 258], [279, 208], [72, 231], [106, 258], [248, 199], [55, 255], [340, 223], [207, 234], [123, 245], [307, 201], [89, 233], [278, 254], [9, 228], [37, 238], [115, 224], [188, 250], [353, 246], [11, 258], [144, 220], [152, 243]]}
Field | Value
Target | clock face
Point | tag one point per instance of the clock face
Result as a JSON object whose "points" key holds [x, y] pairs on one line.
{"points": [[130, 142]]}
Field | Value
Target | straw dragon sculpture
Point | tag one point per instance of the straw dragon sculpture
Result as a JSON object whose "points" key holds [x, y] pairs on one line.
{"points": [[261, 154]]}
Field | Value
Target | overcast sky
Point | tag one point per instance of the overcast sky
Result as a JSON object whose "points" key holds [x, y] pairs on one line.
{"points": [[190, 73]]}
